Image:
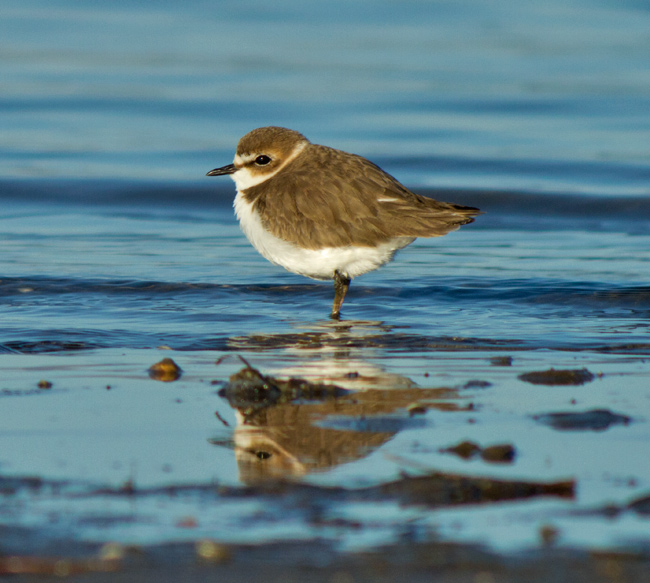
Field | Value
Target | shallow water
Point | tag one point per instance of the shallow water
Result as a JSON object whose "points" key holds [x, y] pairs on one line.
{"points": [[117, 253], [120, 287]]}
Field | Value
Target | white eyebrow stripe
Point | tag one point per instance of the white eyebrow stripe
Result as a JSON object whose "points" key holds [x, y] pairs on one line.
{"points": [[388, 199], [248, 158], [243, 177]]}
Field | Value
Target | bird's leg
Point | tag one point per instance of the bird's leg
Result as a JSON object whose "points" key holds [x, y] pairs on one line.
{"points": [[341, 285]]}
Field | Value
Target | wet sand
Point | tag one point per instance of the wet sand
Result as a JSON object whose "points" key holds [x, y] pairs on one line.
{"points": [[317, 562], [270, 455], [485, 398]]}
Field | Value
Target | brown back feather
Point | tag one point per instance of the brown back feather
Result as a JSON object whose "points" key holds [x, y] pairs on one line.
{"points": [[317, 206]]}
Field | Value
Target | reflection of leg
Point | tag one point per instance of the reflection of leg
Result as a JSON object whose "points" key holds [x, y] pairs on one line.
{"points": [[341, 285]]}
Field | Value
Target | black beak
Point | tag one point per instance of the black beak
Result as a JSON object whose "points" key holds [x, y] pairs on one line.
{"points": [[230, 169]]}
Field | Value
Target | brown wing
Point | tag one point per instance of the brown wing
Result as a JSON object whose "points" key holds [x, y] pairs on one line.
{"points": [[313, 203]]}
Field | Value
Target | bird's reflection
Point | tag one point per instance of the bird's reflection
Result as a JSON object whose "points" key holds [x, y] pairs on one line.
{"points": [[290, 428], [328, 404]]}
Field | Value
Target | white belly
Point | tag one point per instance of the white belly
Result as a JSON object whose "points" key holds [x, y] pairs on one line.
{"points": [[314, 263]]}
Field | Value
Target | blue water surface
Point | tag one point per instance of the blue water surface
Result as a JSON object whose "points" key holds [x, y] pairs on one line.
{"points": [[117, 251], [505, 95]]}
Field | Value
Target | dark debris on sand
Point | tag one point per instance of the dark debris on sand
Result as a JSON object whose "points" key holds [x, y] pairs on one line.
{"points": [[593, 420], [553, 377]]}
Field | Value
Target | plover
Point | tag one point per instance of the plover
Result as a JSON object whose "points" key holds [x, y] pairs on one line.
{"points": [[327, 214]]}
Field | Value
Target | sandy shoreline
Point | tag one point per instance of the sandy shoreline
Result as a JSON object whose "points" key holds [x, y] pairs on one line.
{"points": [[318, 562]]}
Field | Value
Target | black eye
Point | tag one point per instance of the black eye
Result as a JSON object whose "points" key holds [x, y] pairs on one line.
{"points": [[262, 160]]}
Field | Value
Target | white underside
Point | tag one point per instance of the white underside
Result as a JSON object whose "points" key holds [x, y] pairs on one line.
{"points": [[314, 263]]}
